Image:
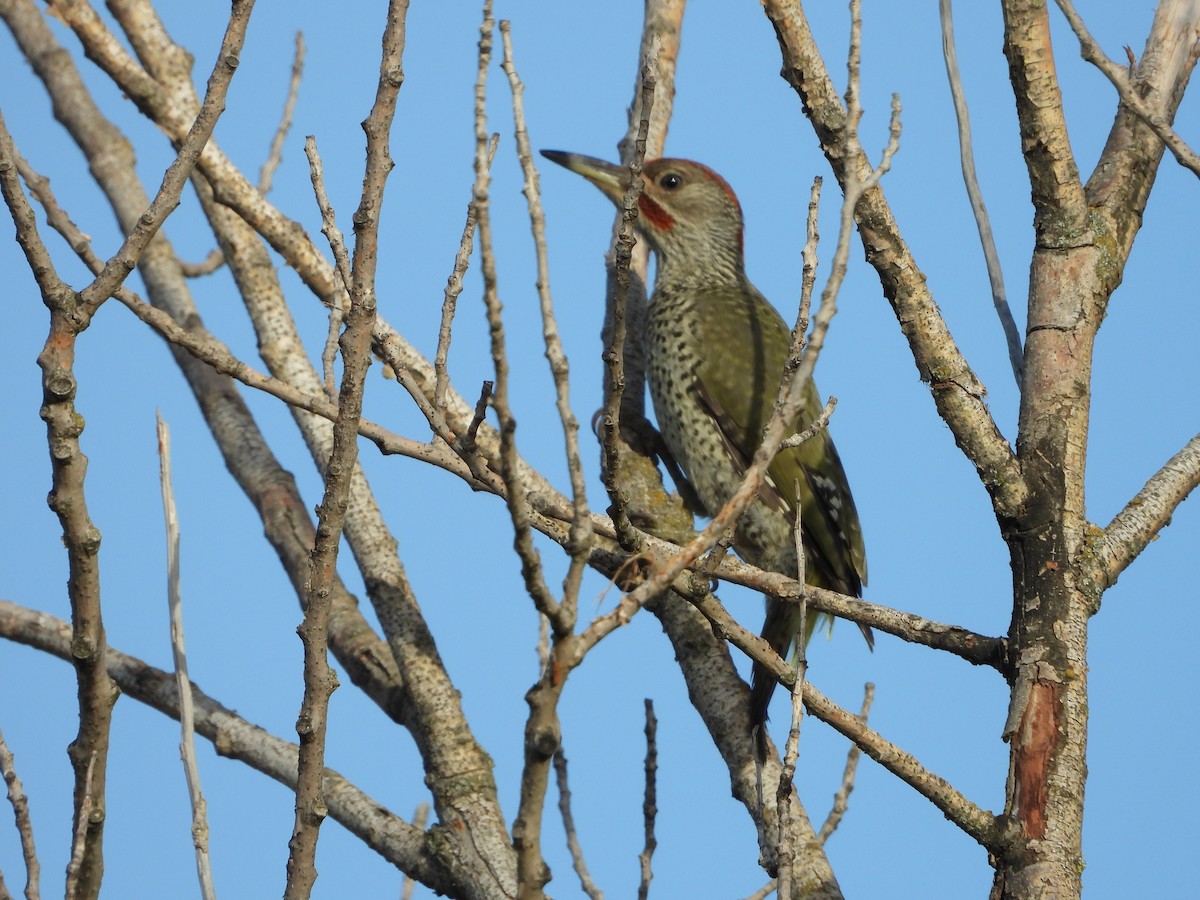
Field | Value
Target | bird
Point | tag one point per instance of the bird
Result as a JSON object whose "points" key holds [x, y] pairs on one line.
{"points": [[716, 349]]}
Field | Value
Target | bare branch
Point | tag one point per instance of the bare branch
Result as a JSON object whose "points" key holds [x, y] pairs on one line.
{"points": [[650, 804], [1150, 511], [842, 797], [581, 537], [978, 823], [319, 678], [955, 389], [616, 337], [187, 744], [1120, 78], [975, 194], [573, 845], [118, 267], [391, 837], [20, 805], [275, 155], [81, 537], [454, 286]]}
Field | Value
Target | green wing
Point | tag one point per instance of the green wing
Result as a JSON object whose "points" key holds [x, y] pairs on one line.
{"points": [[752, 341]]}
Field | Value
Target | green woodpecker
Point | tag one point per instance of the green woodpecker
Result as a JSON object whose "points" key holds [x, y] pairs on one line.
{"points": [[716, 350]]}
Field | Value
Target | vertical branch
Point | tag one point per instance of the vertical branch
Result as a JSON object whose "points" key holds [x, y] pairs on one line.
{"points": [[542, 727], [650, 804], [641, 494], [81, 538], [564, 809], [70, 314], [581, 525], [183, 684], [20, 805], [785, 848], [319, 679], [616, 338], [1048, 708], [518, 501], [982, 222]]}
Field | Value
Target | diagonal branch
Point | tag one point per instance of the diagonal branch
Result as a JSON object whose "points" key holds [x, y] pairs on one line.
{"points": [[977, 822], [1143, 517], [118, 267], [956, 391], [1120, 77], [406, 847], [272, 490]]}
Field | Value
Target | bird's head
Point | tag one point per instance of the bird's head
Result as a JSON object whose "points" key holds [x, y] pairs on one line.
{"points": [[687, 212]]}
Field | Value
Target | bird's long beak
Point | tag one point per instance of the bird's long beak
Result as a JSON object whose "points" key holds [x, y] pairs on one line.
{"points": [[612, 180]]}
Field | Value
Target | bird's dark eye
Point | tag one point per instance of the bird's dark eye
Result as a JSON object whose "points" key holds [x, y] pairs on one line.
{"points": [[670, 181]]}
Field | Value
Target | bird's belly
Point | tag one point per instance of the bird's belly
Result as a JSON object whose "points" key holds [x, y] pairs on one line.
{"points": [[764, 535]]}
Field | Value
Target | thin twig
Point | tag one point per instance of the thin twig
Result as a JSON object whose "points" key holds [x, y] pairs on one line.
{"points": [[615, 334], [481, 405], [20, 805], [337, 244], [518, 502], [454, 286], [275, 155], [650, 803], [581, 527], [118, 267], [319, 678], [79, 844], [1120, 76], [573, 845], [333, 331], [967, 155], [842, 797], [206, 266], [785, 849], [187, 742], [329, 226]]}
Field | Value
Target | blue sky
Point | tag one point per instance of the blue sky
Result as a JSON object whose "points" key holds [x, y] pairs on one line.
{"points": [[933, 544]]}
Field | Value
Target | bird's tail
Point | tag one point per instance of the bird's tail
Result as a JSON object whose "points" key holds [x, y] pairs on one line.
{"points": [[779, 630]]}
